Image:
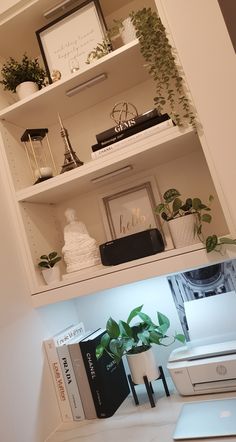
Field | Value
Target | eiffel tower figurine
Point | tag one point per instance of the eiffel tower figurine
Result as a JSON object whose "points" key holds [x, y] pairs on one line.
{"points": [[71, 160]]}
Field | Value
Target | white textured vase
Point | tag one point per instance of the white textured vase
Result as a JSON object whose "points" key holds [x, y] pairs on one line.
{"points": [[143, 364], [128, 32], [182, 231], [26, 88], [51, 275]]}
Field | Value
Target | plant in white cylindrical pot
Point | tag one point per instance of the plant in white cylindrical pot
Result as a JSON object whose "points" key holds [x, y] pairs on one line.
{"points": [[23, 77], [49, 269], [184, 218], [136, 341]]}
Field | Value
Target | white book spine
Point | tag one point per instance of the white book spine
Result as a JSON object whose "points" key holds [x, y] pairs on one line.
{"points": [[69, 333], [70, 382], [58, 380], [132, 139]]}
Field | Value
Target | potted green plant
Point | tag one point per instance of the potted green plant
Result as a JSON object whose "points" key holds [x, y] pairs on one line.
{"points": [[23, 77], [50, 271], [135, 341], [161, 64], [185, 220]]}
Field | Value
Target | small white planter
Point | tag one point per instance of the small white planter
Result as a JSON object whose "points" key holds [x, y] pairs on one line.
{"points": [[143, 364], [182, 231], [26, 88], [51, 275], [128, 33]]}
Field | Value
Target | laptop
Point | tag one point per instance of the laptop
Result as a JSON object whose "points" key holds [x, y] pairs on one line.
{"points": [[206, 419]]}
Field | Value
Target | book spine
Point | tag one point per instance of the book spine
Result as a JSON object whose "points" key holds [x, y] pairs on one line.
{"points": [[132, 130], [70, 382], [90, 363], [82, 381], [122, 127], [68, 334], [132, 139], [58, 380]]}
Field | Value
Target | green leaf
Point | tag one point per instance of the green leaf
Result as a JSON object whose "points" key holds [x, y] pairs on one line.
{"points": [[54, 261], [44, 264], [125, 329], [179, 337], [177, 203], [196, 203], [170, 195], [52, 255], [227, 241], [105, 340], [44, 257], [160, 208], [112, 328], [162, 319], [99, 351], [145, 318], [211, 243], [134, 313], [155, 337], [206, 218]]}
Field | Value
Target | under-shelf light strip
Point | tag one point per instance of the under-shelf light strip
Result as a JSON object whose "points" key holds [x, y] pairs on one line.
{"points": [[60, 7], [112, 174], [80, 87]]}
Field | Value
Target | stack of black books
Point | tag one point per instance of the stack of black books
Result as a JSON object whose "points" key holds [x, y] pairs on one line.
{"points": [[131, 127]]}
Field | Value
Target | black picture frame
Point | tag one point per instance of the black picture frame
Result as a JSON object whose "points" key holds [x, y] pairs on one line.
{"points": [[66, 39]]}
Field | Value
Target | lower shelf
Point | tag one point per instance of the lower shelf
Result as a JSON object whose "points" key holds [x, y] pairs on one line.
{"points": [[141, 423], [95, 279]]}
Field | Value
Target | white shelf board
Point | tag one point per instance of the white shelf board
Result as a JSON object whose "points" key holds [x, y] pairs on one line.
{"points": [[41, 108], [141, 155], [96, 279]]}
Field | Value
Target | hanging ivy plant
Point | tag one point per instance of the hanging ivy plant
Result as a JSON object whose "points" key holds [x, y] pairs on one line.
{"points": [[160, 62]]}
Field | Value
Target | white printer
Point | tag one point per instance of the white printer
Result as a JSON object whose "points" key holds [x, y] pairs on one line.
{"points": [[202, 369]]}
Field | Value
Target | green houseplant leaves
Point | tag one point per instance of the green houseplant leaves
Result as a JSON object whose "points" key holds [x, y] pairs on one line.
{"points": [[121, 337]]}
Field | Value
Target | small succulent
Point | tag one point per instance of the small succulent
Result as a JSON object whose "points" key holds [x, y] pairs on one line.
{"points": [[49, 261]]}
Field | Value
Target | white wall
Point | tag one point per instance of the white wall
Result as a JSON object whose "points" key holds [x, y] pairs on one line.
{"points": [[28, 405]]}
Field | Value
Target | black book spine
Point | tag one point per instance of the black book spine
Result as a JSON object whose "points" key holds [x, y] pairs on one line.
{"points": [[126, 125], [88, 350], [131, 131]]}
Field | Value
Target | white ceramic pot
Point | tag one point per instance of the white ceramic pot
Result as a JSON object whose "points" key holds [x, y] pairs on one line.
{"points": [[26, 88], [143, 364], [182, 231], [128, 32], [52, 275]]}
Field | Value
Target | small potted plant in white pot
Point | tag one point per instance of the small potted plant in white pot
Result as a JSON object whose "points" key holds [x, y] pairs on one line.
{"points": [[50, 271], [23, 77], [136, 341], [184, 217], [185, 220]]}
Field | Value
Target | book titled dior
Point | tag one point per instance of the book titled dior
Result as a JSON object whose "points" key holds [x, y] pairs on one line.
{"points": [[107, 380]]}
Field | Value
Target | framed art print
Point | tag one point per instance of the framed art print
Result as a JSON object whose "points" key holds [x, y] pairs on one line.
{"points": [[66, 42], [130, 209]]}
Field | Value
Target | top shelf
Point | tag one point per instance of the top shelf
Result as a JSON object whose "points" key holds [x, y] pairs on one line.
{"points": [[53, 99]]}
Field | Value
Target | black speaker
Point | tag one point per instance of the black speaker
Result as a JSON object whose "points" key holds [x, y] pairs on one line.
{"points": [[128, 248]]}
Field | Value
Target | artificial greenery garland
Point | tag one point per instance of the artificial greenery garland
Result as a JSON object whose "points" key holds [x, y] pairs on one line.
{"points": [[161, 65]]}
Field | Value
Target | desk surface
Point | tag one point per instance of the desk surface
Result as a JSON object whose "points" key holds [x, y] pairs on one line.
{"points": [[137, 423]]}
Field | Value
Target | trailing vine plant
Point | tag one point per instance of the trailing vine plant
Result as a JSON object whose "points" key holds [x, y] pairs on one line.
{"points": [[161, 65]]}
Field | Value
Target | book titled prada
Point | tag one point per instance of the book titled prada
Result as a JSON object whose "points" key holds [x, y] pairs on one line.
{"points": [[107, 380], [136, 123]]}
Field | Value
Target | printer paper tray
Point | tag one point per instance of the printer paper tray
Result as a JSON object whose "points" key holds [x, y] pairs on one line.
{"points": [[223, 385]]}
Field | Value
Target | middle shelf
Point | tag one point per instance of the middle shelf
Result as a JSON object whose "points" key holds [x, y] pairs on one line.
{"points": [[140, 155]]}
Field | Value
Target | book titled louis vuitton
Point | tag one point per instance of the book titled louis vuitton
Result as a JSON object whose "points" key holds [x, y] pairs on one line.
{"points": [[107, 380]]}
